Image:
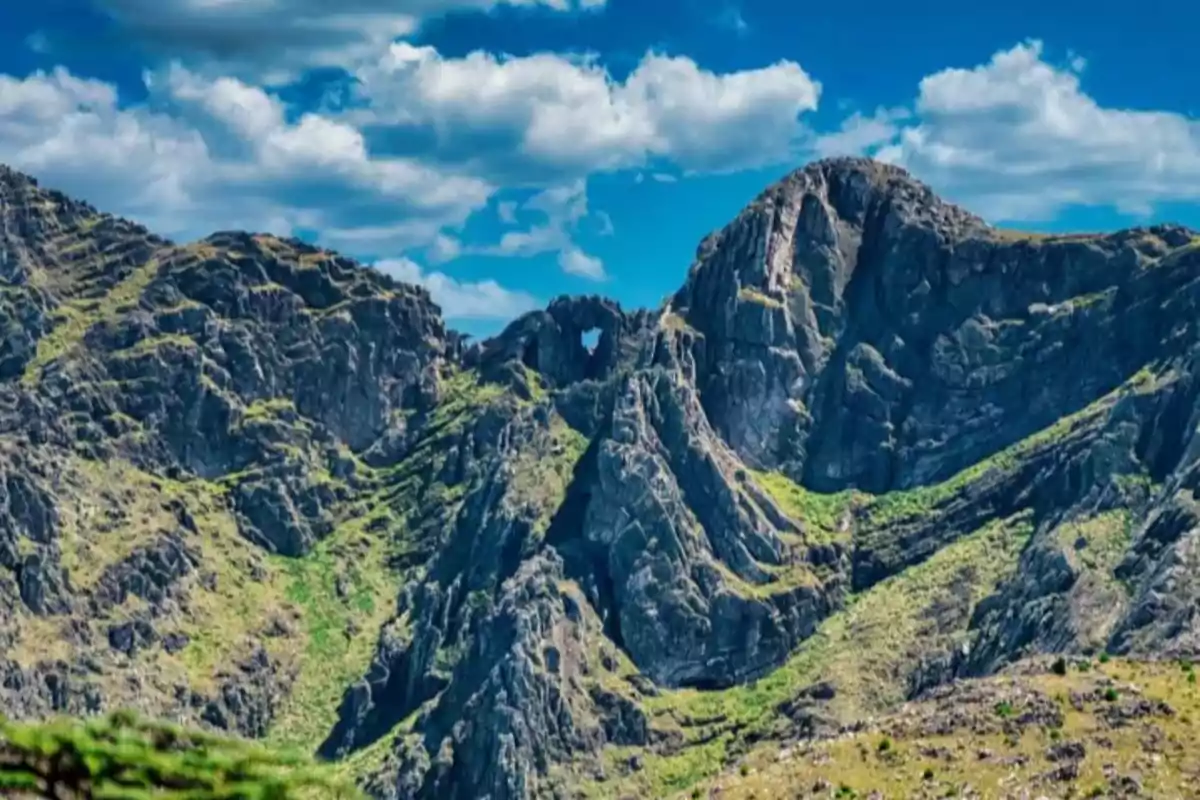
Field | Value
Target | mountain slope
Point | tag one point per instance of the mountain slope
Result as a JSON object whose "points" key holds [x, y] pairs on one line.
{"points": [[871, 446]]}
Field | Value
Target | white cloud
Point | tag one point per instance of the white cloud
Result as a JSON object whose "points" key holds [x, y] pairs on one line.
{"points": [[547, 117], [444, 248], [605, 224], [506, 211], [860, 134], [222, 154], [482, 300], [70, 133], [1018, 138], [576, 262], [562, 209], [400, 165], [276, 41], [731, 18], [38, 42]]}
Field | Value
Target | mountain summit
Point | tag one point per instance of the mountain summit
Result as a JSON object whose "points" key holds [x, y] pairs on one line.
{"points": [[871, 447]]}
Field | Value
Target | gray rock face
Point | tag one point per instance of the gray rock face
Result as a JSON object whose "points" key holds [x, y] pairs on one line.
{"points": [[680, 542], [860, 332]]}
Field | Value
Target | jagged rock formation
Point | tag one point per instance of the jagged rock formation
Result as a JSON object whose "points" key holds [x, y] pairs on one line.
{"points": [[871, 445]]}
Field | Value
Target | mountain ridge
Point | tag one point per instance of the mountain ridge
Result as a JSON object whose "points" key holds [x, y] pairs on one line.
{"points": [[486, 570]]}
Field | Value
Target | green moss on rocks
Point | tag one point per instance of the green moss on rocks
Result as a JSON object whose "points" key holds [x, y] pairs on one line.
{"points": [[76, 317], [826, 517], [751, 295]]}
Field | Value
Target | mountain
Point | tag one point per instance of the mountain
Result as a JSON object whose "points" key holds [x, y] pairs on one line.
{"points": [[873, 450]]}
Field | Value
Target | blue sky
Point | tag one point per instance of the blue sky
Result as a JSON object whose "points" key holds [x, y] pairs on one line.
{"points": [[504, 153]]}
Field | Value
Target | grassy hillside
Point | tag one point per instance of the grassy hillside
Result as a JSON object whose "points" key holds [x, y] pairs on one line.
{"points": [[1050, 728]]}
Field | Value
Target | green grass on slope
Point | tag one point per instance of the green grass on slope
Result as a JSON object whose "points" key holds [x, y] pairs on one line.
{"points": [[1082, 731], [346, 588], [866, 650], [1099, 543], [825, 516], [76, 317], [123, 758], [1095, 546], [540, 481], [345, 591]]}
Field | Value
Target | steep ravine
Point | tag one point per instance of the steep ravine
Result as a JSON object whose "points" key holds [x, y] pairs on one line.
{"points": [[871, 446]]}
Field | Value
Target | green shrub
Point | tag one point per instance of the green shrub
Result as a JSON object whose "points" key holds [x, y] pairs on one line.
{"points": [[124, 757]]}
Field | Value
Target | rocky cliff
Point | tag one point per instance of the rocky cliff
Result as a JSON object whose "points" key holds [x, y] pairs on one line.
{"points": [[872, 446]]}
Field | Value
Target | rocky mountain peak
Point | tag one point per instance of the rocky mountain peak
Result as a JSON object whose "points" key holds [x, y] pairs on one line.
{"points": [[12, 177], [835, 312]]}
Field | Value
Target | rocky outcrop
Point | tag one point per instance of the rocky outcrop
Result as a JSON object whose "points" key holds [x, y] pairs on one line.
{"points": [[552, 342], [701, 584], [860, 332]]}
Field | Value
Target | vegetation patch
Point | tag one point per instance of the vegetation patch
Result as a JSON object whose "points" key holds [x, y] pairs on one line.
{"points": [[75, 318], [226, 600], [673, 321], [540, 480], [462, 393], [345, 592], [1098, 543], [345, 589], [153, 344], [1014, 235], [826, 516], [127, 758], [749, 294], [109, 510], [1066, 734]]}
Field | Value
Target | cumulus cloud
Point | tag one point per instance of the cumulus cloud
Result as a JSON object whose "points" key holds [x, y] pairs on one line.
{"points": [[444, 248], [548, 117], [1018, 138], [861, 133], [506, 211], [561, 208], [222, 154], [276, 41], [482, 300], [424, 143], [70, 133], [576, 262], [731, 19]]}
